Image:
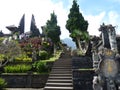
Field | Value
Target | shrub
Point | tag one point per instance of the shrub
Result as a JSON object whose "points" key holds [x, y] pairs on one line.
{"points": [[30, 43], [23, 68], [43, 55], [2, 83], [1, 39], [23, 58], [27, 59], [10, 49], [2, 57], [40, 67]]}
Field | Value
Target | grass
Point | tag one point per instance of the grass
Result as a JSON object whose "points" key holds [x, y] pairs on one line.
{"points": [[52, 59], [42, 73], [86, 69]]}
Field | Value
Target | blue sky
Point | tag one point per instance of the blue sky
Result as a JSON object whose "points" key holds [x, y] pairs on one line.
{"points": [[99, 11], [94, 7], [94, 11]]}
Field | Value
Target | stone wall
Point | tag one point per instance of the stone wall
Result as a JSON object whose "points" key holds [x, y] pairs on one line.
{"points": [[82, 73], [82, 62], [25, 80], [118, 43]]}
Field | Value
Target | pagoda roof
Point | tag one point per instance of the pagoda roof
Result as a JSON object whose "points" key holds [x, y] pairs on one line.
{"points": [[12, 28]]}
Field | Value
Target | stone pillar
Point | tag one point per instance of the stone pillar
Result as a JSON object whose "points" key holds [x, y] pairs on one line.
{"points": [[95, 60], [112, 38], [105, 36]]}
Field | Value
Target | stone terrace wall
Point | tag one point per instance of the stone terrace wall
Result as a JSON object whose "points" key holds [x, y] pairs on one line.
{"points": [[82, 79], [25, 80]]}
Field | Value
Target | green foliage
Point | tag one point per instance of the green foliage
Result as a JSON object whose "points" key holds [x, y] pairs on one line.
{"points": [[55, 57], [77, 25], [54, 34], [2, 83], [22, 68], [85, 36], [52, 29], [46, 44], [1, 39], [11, 50], [27, 59], [31, 45], [76, 33], [2, 57], [80, 53], [43, 55], [86, 69], [75, 19], [23, 58], [40, 67], [82, 34]]}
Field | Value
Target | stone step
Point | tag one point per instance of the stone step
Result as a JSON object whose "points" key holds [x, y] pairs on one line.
{"points": [[60, 72], [62, 63], [65, 61], [57, 88], [62, 59], [60, 77], [57, 67], [59, 81], [69, 70], [59, 84], [61, 69], [68, 62]]}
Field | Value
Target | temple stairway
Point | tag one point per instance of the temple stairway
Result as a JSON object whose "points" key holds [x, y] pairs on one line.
{"points": [[60, 77]]}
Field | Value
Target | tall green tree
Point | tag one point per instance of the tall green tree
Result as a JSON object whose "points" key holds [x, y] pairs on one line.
{"points": [[77, 25], [53, 30]]}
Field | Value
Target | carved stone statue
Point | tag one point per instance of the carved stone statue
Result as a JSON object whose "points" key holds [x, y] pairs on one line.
{"points": [[105, 60]]}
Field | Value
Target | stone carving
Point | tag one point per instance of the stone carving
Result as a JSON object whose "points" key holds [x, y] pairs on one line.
{"points": [[106, 60]]}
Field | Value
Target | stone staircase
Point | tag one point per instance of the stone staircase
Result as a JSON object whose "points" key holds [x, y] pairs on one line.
{"points": [[60, 77]]}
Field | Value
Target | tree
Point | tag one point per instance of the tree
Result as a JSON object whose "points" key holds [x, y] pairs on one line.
{"points": [[8, 51], [77, 25], [33, 28], [52, 29]]}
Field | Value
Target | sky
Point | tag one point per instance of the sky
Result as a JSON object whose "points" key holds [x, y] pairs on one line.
{"points": [[94, 11]]}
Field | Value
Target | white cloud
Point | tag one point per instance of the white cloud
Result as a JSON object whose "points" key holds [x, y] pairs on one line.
{"points": [[94, 23], [114, 18], [118, 1], [12, 11]]}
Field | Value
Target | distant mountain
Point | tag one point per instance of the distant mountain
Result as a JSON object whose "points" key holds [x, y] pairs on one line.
{"points": [[69, 42]]}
